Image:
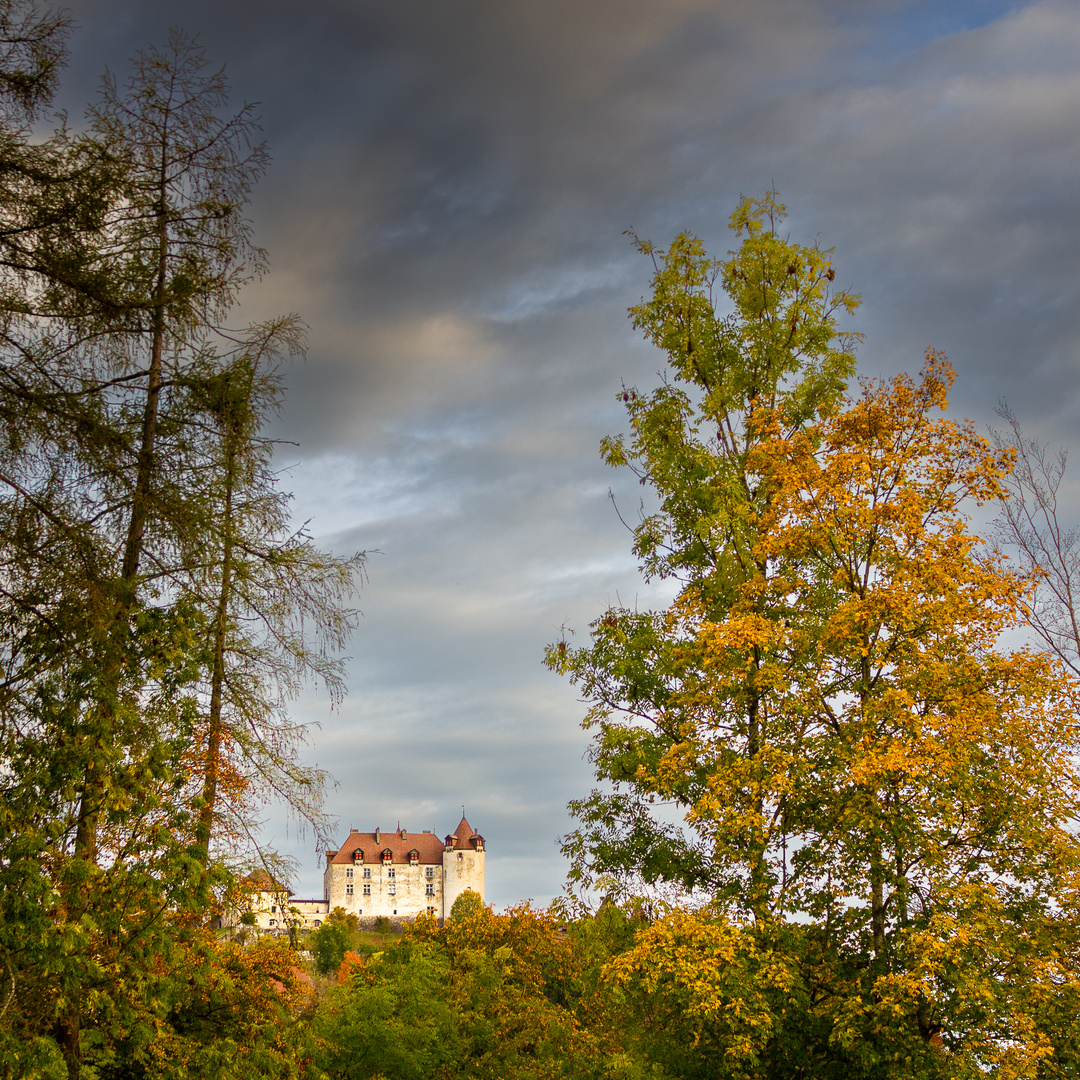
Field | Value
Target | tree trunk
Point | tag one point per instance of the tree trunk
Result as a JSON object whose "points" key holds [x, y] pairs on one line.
{"points": [[213, 737], [94, 778]]}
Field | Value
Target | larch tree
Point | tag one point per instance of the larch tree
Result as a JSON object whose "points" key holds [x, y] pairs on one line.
{"points": [[153, 279], [141, 521], [276, 607]]}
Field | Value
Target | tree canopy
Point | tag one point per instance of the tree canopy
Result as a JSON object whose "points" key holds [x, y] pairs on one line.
{"points": [[867, 772]]}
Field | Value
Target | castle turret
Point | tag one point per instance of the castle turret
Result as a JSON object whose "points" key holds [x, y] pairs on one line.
{"points": [[463, 865]]}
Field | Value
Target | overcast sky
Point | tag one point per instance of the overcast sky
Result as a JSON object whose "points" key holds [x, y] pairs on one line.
{"points": [[450, 185]]}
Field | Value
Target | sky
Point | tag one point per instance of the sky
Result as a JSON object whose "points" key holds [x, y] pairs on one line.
{"points": [[446, 207]]}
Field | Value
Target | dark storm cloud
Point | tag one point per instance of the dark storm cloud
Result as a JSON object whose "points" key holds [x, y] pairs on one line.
{"points": [[442, 165], [450, 185]]}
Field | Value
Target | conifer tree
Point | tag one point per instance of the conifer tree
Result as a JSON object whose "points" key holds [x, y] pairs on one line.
{"points": [[275, 606], [140, 522]]}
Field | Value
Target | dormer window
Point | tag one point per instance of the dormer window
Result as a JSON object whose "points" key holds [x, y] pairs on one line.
{"points": [[358, 856], [414, 857], [387, 855]]}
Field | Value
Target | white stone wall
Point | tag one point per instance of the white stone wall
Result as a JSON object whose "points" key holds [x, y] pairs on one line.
{"points": [[396, 889], [388, 885], [462, 870]]}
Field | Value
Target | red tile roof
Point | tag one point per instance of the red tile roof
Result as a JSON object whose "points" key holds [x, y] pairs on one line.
{"points": [[260, 881], [464, 833], [428, 846]]}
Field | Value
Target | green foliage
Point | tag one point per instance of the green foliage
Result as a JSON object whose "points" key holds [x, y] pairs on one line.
{"points": [[468, 905], [700, 992], [142, 539], [350, 920], [391, 1019], [34, 1058], [329, 943], [230, 1011], [780, 358], [484, 996]]}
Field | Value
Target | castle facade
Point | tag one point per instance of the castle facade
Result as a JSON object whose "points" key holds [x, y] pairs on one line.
{"points": [[401, 874], [398, 875]]}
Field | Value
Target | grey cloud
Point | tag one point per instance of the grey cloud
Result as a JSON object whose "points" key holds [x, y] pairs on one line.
{"points": [[451, 181]]}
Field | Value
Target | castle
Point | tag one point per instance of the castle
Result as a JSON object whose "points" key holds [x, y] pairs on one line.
{"points": [[397, 875]]}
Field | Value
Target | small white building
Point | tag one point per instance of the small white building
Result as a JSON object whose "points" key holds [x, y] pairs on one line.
{"points": [[401, 874], [273, 909]]}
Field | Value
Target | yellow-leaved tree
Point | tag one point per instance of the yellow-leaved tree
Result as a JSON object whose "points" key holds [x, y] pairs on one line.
{"points": [[877, 791]]}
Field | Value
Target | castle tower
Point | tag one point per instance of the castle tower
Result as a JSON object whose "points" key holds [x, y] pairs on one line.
{"points": [[463, 864]]}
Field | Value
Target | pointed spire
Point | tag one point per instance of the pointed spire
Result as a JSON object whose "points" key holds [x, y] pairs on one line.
{"points": [[464, 832]]}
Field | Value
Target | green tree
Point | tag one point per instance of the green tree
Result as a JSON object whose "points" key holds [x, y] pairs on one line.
{"points": [[276, 607], [33, 49], [779, 357], [392, 1018], [329, 943], [164, 266], [469, 903], [515, 985], [678, 984]]}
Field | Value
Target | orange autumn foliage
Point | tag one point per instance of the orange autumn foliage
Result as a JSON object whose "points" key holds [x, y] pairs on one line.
{"points": [[350, 965]]}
